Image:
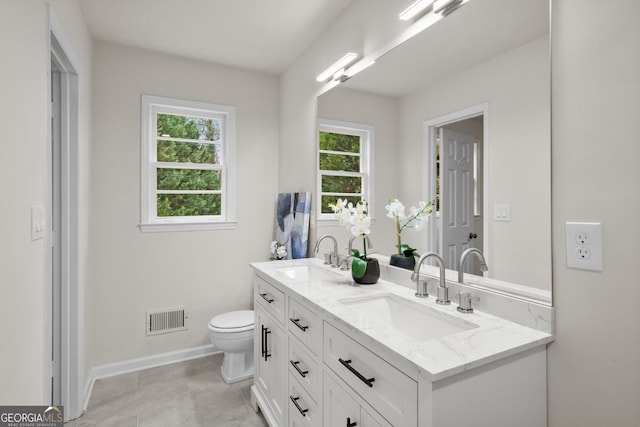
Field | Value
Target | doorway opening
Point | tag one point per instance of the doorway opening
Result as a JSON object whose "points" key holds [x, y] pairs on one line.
{"points": [[62, 212], [457, 163]]}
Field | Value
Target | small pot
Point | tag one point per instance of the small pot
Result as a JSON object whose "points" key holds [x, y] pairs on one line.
{"points": [[371, 274], [403, 261]]}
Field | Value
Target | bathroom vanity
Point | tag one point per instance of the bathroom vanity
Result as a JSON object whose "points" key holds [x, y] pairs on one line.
{"points": [[330, 353]]}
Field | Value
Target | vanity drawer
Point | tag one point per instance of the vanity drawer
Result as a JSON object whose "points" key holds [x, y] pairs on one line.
{"points": [[303, 410], [305, 368], [305, 324], [391, 392], [272, 299]]}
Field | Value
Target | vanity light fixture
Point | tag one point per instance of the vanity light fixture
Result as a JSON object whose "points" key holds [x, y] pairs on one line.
{"points": [[340, 75], [358, 67], [335, 68], [415, 8], [444, 7]]}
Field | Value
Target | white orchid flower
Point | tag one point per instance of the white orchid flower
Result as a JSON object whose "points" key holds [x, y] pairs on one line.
{"points": [[281, 252], [396, 209], [360, 224]]}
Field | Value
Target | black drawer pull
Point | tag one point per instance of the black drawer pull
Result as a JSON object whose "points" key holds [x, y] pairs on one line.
{"points": [[300, 371], [295, 402], [351, 424], [265, 343], [297, 323], [267, 299], [347, 364]]}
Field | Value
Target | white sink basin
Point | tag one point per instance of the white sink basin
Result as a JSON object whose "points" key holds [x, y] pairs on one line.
{"points": [[300, 272], [408, 318], [310, 273]]}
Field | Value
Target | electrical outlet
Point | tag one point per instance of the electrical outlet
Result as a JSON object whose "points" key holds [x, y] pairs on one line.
{"points": [[584, 245], [582, 238], [583, 253]]}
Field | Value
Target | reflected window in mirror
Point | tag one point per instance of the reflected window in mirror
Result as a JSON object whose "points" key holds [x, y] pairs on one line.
{"points": [[344, 163]]}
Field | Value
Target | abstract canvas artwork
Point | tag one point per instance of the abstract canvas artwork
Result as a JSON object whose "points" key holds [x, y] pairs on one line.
{"points": [[292, 223]]}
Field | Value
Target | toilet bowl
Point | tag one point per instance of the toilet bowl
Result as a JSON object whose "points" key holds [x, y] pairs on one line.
{"points": [[232, 333]]}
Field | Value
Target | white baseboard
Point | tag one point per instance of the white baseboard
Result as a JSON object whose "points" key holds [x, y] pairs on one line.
{"points": [[138, 364]]}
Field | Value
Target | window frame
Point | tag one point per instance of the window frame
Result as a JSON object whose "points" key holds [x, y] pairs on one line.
{"points": [[367, 140], [150, 221]]}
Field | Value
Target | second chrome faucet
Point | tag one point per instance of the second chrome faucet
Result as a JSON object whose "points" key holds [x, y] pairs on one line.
{"points": [[421, 285]]}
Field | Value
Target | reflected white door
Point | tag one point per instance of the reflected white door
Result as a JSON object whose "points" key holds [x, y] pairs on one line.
{"points": [[456, 189]]}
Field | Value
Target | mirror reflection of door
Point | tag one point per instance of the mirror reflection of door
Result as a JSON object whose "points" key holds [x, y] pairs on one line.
{"points": [[459, 190]]}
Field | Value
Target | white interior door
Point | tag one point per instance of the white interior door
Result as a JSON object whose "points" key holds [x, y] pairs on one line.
{"points": [[456, 189]]}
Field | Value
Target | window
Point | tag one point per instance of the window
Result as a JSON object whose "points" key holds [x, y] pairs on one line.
{"points": [[344, 164], [187, 165]]}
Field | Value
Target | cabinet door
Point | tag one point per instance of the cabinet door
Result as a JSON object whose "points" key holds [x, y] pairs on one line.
{"points": [[340, 410], [270, 364], [369, 420]]}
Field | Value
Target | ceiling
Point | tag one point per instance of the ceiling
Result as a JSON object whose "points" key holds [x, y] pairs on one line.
{"points": [[260, 35]]}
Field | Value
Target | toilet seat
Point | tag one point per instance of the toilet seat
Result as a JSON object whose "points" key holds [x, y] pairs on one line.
{"points": [[233, 321]]}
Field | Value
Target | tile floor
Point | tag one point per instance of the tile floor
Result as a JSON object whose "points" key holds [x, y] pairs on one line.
{"points": [[186, 394]]}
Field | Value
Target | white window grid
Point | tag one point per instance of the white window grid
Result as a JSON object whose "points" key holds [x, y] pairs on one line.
{"points": [[151, 107], [366, 134]]}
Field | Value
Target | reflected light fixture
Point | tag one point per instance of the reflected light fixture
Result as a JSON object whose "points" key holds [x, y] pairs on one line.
{"points": [[359, 66], [415, 8], [340, 64], [446, 6]]}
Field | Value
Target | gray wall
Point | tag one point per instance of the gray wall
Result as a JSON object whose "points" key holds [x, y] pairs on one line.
{"points": [[594, 364]]}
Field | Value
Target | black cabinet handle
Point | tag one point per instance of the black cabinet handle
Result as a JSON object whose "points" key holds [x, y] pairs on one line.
{"points": [[262, 341], [351, 424], [295, 402], [266, 298], [300, 371], [297, 323], [265, 343], [347, 364]]}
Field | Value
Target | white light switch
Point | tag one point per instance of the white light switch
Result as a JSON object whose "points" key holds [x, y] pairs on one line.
{"points": [[37, 222], [501, 212], [584, 245]]}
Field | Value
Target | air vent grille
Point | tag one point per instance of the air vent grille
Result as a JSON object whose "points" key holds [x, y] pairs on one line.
{"points": [[165, 321]]}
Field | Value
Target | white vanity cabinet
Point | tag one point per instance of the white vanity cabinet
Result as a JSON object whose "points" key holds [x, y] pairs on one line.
{"points": [[320, 365], [270, 352]]}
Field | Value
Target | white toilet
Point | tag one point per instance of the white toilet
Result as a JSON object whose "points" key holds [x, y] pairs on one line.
{"points": [[232, 333]]}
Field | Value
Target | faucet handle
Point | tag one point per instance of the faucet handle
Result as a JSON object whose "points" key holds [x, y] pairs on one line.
{"points": [[343, 262], [443, 296], [464, 300], [421, 289], [328, 258]]}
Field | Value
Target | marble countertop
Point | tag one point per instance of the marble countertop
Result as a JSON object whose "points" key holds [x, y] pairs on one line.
{"points": [[489, 338]]}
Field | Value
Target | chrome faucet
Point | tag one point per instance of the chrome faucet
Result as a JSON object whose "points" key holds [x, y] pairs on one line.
{"points": [[334, 257], [421, 286], [463, 258], [349, 248]]}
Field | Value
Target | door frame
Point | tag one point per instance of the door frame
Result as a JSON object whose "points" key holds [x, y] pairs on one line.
{"points": [[70, 301], [433, 238]]}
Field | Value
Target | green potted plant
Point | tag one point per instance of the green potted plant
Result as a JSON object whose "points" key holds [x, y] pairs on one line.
{"points": [[356, 219], [405, 257]]}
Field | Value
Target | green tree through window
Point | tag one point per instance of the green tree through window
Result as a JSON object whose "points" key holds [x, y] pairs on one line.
{"points": [[342, 169], [191, 141]]}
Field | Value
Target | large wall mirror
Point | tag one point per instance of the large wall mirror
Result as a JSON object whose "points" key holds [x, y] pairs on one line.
{"points": [[467, 97]]}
